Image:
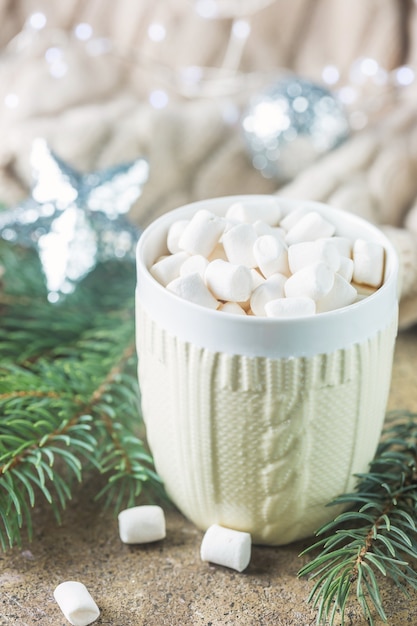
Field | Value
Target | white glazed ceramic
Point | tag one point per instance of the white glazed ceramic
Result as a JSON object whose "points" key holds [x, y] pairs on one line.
{"points": [[257, 423]]}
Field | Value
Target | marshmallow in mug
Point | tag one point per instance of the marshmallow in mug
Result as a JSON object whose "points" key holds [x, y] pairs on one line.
{"points": [[267, 266]]}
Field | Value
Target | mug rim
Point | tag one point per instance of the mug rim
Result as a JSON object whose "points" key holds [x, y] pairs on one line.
{"points": [[261, 336]]}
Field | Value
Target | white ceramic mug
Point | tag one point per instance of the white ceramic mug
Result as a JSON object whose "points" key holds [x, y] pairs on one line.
{"points": [[257, 423]]}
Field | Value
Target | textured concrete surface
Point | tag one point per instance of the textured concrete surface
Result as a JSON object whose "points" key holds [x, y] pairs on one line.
{"points": [[166, 583]]}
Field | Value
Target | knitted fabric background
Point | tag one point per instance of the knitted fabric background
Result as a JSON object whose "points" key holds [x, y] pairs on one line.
{"points": [[93, 105]]}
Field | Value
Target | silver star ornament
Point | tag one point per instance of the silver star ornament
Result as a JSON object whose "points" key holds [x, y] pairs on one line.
{"points": [[75, 220]]}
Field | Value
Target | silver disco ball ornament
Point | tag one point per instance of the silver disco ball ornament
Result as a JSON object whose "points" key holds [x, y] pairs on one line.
{"points": [[290, 124]]}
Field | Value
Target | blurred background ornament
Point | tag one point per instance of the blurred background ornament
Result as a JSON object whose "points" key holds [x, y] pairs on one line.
{"points": [[75, 220], [290, 124]]}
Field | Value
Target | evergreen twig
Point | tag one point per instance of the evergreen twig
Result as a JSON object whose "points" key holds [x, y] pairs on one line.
{"points": [[69, 398], [377, 534]]}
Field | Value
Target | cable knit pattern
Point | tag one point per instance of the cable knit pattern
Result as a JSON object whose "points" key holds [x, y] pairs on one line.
{"points": [[259, 444]]}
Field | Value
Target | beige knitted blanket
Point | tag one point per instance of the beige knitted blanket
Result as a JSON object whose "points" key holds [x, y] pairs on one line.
{"points": [[80, 73]]}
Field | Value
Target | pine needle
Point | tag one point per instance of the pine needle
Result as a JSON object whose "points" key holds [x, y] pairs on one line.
{"points": [[69, 397], [376, 537]]}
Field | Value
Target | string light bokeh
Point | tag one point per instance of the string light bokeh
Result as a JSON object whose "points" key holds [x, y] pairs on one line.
{"points": [[367, 79], [364, 90]]}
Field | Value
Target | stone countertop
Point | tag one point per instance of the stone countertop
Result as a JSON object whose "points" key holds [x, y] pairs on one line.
{"points": [[166, 583]]}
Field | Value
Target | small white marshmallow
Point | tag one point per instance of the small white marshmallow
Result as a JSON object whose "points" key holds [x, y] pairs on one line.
{"points": [[310, 227], [346, 268], [264, 229], [343, 244], [294, 216], [290, 307], [227, 547], [269, 211], [314, 281], [228, 282], [174, 233], [217, 253], [142, 524], [341, 294], [368, 263], [196, 263], [308, 252], [270, 289], [236, 213], [192, 288], [202, 233], [168, 268], [76, 603], [271, 255], [257, 278], [238, 244]]}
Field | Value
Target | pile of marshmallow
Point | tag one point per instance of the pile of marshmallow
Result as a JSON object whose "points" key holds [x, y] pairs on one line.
{"points": [[146, 524], [253, 261]]}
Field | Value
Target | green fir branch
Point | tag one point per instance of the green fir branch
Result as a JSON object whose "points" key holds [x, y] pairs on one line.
{"points": [[69, 397], [376, 537]]}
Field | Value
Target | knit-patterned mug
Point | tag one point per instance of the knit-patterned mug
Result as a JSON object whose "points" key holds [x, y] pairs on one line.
{"points": [[256, 423]]}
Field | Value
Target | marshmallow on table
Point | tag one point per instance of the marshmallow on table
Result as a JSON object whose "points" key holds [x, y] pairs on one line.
{"points": [[368, 263], [308, 252], [174, 233], [228, 547], [238, 244], [202, 233], [229, 282], [271, 289], [290, 307], [269, 211], [271, 255], [313, 281], [168, 268], [310, 227], [192, 287], [76, 603], [142, 524]]}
